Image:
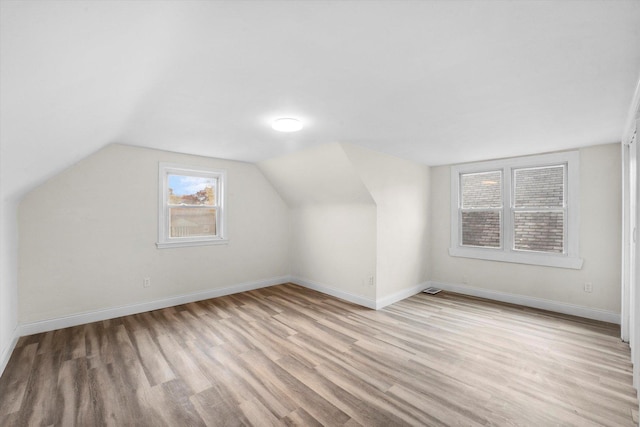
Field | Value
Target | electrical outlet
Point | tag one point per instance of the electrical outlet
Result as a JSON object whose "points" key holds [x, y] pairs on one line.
{"points": [[588, 287], [146, 282], [372, 280]]}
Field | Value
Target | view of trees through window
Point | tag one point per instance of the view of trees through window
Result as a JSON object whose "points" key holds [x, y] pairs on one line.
{"points": [[192, 201]]}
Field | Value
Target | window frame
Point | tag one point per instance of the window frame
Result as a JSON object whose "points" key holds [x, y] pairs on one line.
{"points": [[164, 237], [507, 252]]}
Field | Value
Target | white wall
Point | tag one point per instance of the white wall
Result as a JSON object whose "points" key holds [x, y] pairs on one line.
{"points": [[334, 246], [8, 279], [356, 213], [8, 261], [87, 236], [333, 221], [600, 210], [400, 189]]}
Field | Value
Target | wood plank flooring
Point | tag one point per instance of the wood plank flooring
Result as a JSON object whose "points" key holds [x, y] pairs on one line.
{"points": [[286, 355]]}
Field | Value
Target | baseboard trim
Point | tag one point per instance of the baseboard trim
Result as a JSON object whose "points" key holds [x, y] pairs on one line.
{"points": [[126, 310], [8, 351], [399, 296], [527, 301], [320, 287]]}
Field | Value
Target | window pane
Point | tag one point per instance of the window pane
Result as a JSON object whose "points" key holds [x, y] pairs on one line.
{"points": [[482, 190], [190, 222], [539, 231], [539, 187], [481, 228], [191, 190]]}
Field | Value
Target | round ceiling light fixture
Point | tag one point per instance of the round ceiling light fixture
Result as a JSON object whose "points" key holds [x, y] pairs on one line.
{"points": [[286, 124]]}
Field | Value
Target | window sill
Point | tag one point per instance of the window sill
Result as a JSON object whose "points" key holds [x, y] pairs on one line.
{"points": [[188, 243], [561, 261]]}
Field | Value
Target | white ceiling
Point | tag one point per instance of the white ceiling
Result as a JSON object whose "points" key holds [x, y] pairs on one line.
{"points": [[437, 82]]}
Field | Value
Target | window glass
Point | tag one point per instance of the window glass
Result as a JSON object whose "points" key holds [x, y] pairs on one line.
{"points": [[481, 228], [482, 190], [191, 190], [481, 201], [538, 217], [539, 231], [186, 222], [539, 187]]}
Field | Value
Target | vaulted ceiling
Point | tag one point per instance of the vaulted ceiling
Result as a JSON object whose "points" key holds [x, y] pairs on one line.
{"points": [[437, 82]]}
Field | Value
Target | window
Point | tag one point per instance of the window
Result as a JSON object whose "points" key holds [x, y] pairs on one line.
{"points": [[481, 209], [191, 210], [523, 210]]}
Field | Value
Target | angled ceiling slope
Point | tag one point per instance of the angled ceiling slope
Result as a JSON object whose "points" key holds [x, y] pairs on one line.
{"points": [[318, 175]]}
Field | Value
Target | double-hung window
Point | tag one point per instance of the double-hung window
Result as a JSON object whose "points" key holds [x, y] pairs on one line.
{"points": [[191, 206], [523, 210]]}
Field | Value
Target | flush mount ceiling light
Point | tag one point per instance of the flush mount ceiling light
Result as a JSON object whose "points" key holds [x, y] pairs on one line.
{"points": [[286, 124]]}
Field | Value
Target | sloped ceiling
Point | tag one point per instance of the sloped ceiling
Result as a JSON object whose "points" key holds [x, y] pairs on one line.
{"points": [[436, 81], [317, 175]]}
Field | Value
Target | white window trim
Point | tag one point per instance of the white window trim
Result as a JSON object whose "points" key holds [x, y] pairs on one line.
{"points": [[164, 240], [568, 259]]}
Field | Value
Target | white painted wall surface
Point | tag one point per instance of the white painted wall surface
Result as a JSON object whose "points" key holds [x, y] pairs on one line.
{"points": [[400, 189], [87, 236], [334, 246], [600, 209], [8, 279], [333, 221]]}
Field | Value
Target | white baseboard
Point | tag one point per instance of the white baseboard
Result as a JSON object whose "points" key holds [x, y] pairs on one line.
{"points": [[113, 312], [356, 299], [399, 296], [7, 351], [544, 304]]}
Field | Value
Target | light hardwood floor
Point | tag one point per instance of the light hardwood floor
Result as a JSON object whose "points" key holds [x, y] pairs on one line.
{"points": [[286, 355]]}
